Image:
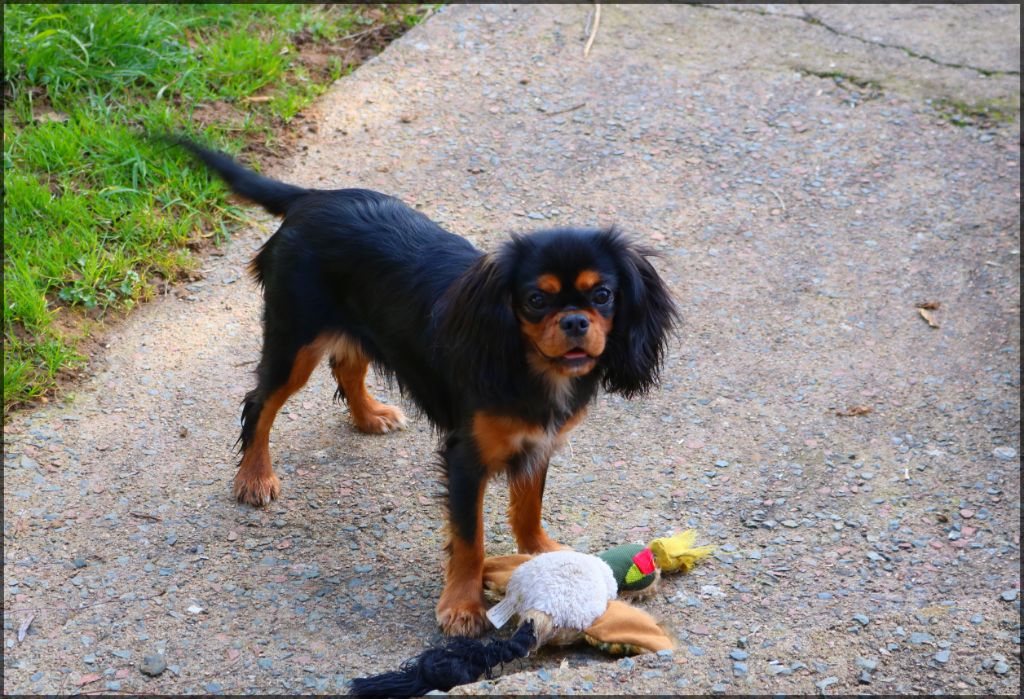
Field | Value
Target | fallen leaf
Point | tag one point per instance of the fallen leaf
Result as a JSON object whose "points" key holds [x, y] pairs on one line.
{"points": [[928, 317], [256, 98], [23, 629], [855, 410], [929, 305], [50, 115]]}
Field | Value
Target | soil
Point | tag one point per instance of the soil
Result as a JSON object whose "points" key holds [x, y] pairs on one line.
{"points": [[799, 223]]}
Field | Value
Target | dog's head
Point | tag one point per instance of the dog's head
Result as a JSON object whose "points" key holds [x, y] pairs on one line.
{"points": [[561, 303]]}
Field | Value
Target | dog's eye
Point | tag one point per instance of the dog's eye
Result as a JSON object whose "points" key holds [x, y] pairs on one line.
{"points": [[601, 296], [536, 301]]}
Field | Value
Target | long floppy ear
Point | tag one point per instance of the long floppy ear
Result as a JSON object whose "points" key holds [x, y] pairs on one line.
{"points": [[645, 315], [477, 329]]}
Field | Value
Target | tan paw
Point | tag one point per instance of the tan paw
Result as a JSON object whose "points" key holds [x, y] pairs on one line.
{"points": [[464, 618], [257, 492], [380, 419]]}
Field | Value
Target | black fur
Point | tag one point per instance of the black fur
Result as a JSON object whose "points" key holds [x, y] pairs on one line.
{"points": [[442, 318]]}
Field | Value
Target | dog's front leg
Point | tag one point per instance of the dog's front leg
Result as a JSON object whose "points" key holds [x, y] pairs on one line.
{"points": [[461, 610], [526, 492]]}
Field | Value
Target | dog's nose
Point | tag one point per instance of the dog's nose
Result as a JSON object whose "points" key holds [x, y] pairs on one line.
{"points": [[574, 325]]}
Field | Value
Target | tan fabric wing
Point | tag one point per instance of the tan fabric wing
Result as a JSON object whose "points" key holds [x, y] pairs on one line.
{"points": [[622, 623]]}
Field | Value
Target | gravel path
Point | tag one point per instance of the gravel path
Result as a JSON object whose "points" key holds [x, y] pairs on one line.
{"points": [[800, 219]]}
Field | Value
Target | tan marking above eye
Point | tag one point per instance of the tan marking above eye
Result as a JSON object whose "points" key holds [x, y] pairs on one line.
{"points": [[549, 283], [587, 280]]}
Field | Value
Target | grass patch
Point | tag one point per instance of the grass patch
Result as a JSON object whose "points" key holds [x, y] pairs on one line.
{"points": [[982, 115], [96, 217]]}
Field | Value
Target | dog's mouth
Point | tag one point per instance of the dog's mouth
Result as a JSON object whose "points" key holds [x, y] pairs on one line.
{"points": [[575, 356]]}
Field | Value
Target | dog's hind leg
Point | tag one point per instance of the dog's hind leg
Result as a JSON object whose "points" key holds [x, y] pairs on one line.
{"points": [[349, 364], [282, 372]]}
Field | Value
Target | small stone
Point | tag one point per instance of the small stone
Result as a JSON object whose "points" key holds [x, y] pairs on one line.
{"points": [[212, 687], [122, 653], [826, 683], [1004, 453], [80, 562], [917, 638], [265, 663], [1008, 595], [739, 668], [966, 514], [739, 655], [1001, 667], [942, 656], [867, 663], [114, 686], [861, 619], [977, 618], [544, 675], [865, 677], [153, 665]]}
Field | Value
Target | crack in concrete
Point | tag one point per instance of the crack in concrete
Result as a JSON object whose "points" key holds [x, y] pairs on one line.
{"points": [[816, 21]]}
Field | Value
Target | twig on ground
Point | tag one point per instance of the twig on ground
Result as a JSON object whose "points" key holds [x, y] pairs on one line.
{"points": [[777, 196], [593, 31], [567, 109], [143, 515]]}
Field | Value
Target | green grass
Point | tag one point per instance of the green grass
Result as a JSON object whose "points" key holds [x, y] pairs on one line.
{"points": [[94, 214]]}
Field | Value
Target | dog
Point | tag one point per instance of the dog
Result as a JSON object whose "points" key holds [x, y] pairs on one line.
{"points": [[502, 352]]}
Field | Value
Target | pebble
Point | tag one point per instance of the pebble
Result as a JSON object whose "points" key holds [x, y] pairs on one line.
{"points": [[1008, 595], [977, 618], [861, 619], [1004, 453], [826, 683], [738, 655], [867, 663], [80, 563], [212, 687], [942, 656], [1001, 667], [153, 665], [917, 638]]}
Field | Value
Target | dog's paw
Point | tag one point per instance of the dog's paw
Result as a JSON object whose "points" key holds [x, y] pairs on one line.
{"points": [[381, 419], [257, 492], [463, 618]]}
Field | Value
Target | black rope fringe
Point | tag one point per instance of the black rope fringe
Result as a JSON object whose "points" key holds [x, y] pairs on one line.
{"points": [[460, 660]]}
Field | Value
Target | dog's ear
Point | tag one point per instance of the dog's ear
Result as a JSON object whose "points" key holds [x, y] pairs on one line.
{"points": [[478, 330], [645, 315]]}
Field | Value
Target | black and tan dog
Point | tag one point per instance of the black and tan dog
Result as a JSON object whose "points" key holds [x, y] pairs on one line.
{"points": [[502, 351]]}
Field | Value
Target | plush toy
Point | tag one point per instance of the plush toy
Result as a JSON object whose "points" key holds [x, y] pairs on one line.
{"points": [[559, 598]]}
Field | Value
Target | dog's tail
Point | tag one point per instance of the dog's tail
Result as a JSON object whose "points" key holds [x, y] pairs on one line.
{"points": [[276, 197]]}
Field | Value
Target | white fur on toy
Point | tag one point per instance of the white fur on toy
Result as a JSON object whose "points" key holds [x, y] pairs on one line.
{"points": [[572, 588]]}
